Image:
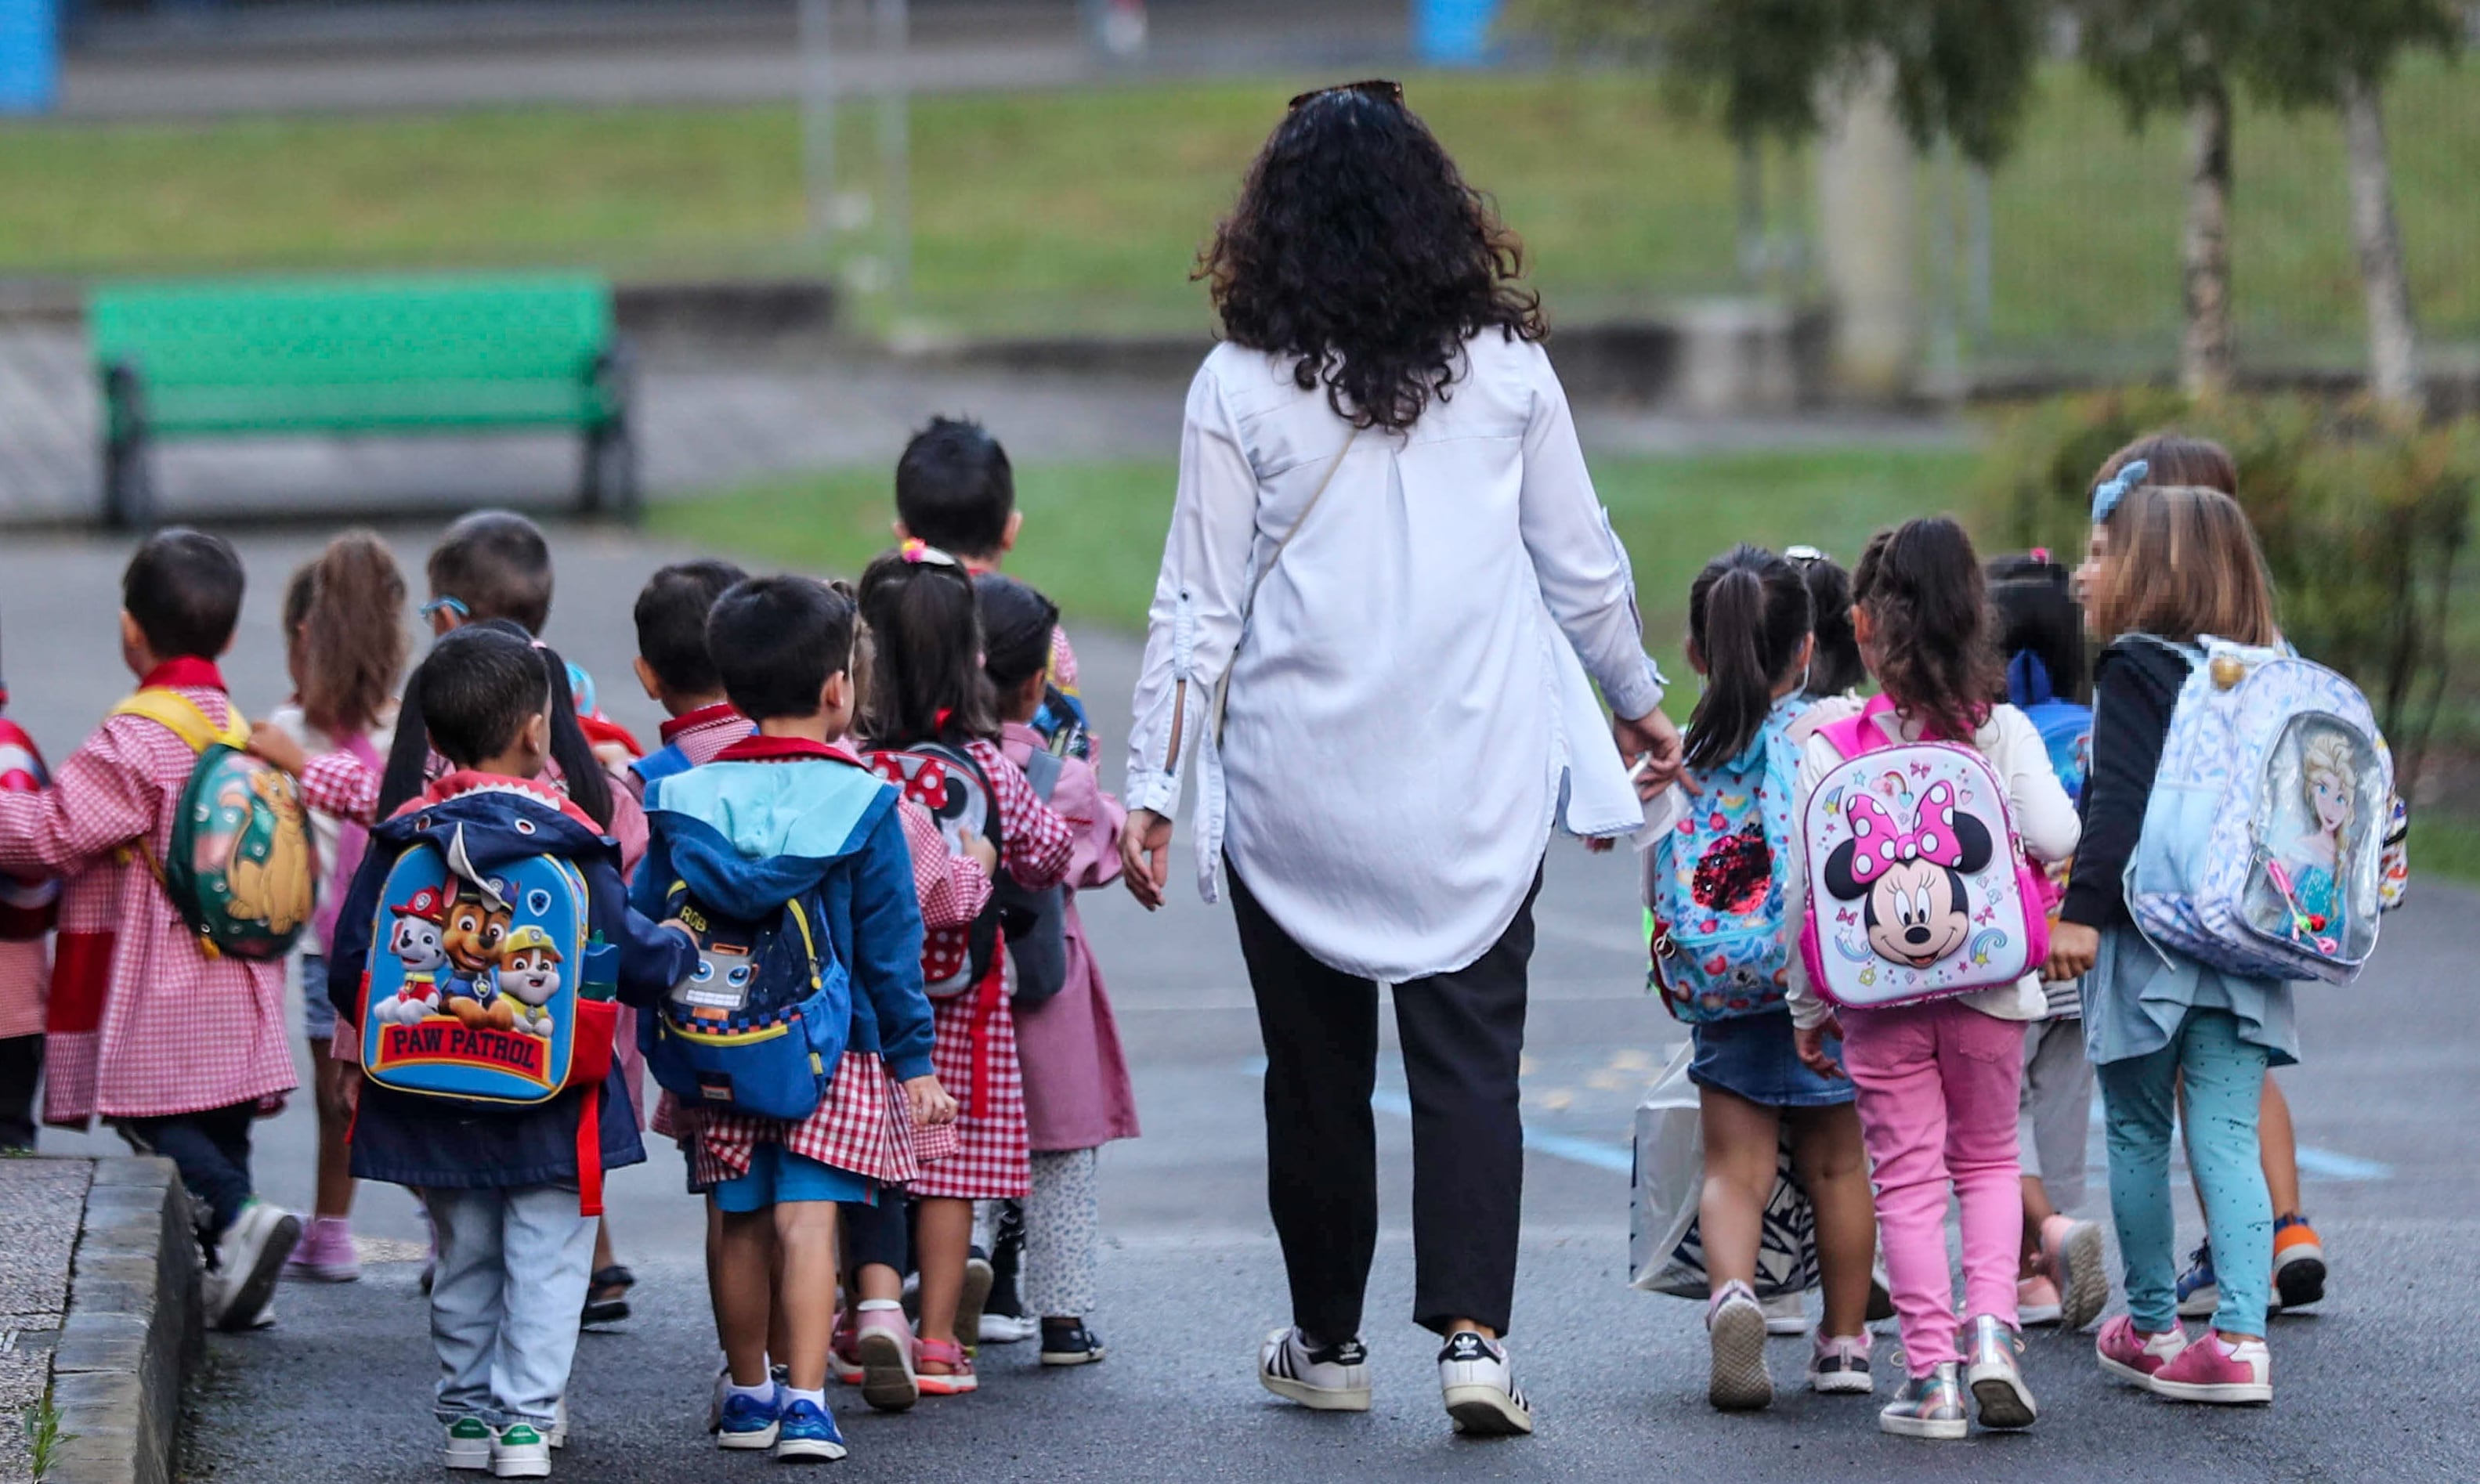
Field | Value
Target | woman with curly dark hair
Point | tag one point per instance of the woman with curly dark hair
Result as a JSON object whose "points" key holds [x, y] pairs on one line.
{"points": [[1387, 578]]}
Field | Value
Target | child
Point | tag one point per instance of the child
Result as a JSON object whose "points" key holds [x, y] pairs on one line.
{"points": [[28, 906], [344, 647], [492, 565], [926, 687], [2062, 1281], [679, 671], [1834, 669], [1939, 1082], [1749, 636], [503, 1189], [782, 650], [178, 1049], [956, 491], [1077, 1091], [2173, 563]]}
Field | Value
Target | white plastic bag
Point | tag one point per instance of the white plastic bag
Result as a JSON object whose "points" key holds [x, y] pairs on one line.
{"points": [[1666, 1251]]}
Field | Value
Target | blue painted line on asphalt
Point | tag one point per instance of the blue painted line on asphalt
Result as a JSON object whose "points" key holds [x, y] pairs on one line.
{"points": [[2324, 1164], [1618, 1159]]}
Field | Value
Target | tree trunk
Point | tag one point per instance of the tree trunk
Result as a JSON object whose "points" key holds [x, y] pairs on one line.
{"points": [[2205, 357], [2393, 340]]}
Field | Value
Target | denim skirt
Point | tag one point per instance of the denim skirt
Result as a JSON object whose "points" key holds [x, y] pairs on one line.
{"points": [[1753, 1056]]}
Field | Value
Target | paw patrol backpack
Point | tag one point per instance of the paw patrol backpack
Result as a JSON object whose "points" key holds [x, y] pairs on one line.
{"points": [[486, 989], [1715, 897], [1918, 887], [2264, 839], [242, 868]]}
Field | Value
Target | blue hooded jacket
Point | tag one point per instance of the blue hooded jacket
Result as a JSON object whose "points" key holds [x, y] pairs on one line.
{"points": [[747, 836], [405, 1138]]}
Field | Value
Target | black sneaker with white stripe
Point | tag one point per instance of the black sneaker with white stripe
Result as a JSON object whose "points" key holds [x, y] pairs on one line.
{"points": [[1480, 1388], [1330, 1378]]}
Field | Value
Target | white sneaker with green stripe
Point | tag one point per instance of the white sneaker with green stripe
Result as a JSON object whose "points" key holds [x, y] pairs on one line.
{"points": [[521, 1452], [468, 1445]]}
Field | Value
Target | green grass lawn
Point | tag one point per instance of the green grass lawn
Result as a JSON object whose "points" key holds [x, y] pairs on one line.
{"points": [[1049, 211], [1093, 534]]}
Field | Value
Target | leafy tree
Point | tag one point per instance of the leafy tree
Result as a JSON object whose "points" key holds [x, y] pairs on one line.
{"points": [[2320, 53]]}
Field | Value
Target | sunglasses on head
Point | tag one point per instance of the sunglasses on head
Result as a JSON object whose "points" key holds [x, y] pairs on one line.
{"points": [[1382, 88], [1802, 556]]}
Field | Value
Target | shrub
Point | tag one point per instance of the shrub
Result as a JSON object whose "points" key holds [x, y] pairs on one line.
{"points": [[2364, 524]]}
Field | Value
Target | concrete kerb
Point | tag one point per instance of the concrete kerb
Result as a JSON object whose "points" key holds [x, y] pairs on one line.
{"points": [[133, 1329]]}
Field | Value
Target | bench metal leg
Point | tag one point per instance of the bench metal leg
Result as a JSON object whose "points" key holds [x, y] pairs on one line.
{"points": [[611, 485], [128, 490]]}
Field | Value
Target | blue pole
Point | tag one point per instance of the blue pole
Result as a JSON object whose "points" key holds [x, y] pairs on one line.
{"points": [[1453, 33], [30, 56]]}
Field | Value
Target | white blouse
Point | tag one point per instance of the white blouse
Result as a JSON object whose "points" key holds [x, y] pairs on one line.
{"points": [[1408, 714]]}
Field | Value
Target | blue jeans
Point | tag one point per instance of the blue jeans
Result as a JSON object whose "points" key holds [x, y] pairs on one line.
{"points": [[2224, 1076], [211, 1149], [514, 1266]]}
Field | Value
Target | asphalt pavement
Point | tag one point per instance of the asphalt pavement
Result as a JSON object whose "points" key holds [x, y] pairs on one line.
{"points": [[2375, 1387]]}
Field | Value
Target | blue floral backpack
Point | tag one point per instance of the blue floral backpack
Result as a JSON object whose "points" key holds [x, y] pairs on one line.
{"points": [[1715, 890]]}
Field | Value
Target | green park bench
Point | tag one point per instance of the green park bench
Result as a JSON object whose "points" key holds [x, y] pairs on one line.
{"points": [[366, 355]]}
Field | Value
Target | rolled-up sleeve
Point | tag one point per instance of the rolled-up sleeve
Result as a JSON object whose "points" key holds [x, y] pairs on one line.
{"points": [[1194, 624], [1583, 569]]}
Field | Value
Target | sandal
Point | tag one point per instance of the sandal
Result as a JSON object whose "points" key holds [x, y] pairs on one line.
{"points": [[606, 1296], [959, 1377]]}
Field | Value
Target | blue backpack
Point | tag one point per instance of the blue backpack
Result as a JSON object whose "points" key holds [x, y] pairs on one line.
{"points": [[1715, 898], [661, 763], [758, 1026], [2065, 727]]}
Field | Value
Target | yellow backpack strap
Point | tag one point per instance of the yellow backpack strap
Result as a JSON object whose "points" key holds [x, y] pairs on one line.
{"points": [[181, 716]]}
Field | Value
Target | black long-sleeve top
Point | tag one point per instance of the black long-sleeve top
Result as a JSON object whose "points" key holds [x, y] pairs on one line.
{"points": [[2135, 687]]}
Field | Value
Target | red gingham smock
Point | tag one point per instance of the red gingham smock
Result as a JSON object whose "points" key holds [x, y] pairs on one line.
{"points": [[143, 1023], [974, 1053]]}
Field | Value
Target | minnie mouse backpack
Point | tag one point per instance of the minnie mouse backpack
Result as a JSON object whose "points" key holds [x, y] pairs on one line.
{"points": [[946, 781], [1918, 887]]}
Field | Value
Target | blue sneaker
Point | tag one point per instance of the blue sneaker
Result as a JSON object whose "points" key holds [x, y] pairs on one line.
{"points": [[749, 1422], [2200, 1292], [808, 1434]]}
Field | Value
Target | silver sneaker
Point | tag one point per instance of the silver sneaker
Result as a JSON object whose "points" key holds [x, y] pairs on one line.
{"points": [[1331, 1378], [1786, 1313], [1929, 1406], [1995, 1376]]}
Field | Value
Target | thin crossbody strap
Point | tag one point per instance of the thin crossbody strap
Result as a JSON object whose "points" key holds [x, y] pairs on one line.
{"points": [[1249, 604]]}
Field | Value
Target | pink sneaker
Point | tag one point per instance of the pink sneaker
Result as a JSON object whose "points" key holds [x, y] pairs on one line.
{"points": [[2132, 1355], [2218, 1370], [2036, 1301], [326, 1253], [843, 1351]]}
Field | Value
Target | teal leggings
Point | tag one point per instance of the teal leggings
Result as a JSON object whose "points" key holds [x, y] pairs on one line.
{"points": [[2224, 1077]]}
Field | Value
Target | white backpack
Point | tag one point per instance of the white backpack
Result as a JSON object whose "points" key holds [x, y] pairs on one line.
{"points": [[2263, 839], [1918, 887]]}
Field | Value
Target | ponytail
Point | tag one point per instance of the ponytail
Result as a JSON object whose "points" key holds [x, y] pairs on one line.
{"points": [[1748, 614], [343, 620]]}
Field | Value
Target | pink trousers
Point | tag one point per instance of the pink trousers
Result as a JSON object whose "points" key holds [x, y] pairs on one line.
{"points": [[1938, 1085]]}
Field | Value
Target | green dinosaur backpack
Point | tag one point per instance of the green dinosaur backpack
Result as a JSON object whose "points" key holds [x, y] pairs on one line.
{"points": [[242, 870]]}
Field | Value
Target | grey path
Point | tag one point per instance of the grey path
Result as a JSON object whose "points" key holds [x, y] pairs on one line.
{"points": [[2375, 1388], [361, 59]]}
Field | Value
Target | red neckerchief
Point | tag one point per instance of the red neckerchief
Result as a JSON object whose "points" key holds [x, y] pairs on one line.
{"points": [[460, 781], [758, 747], [187, 672], [703, 716]]}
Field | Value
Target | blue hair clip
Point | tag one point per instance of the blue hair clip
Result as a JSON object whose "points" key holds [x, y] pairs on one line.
{"points": [[2105, 497]]}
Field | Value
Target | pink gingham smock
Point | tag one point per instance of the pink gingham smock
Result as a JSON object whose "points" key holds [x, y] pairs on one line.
{"points": [[176, 1031]]}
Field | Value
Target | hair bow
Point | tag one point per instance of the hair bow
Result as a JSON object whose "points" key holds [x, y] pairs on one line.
{"points": [[2105, 497], [1884, 845]]}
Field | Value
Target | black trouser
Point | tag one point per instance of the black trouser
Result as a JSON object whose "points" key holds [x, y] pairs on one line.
{"points": [[21, 1067], [878, 1232], [1462, 1036], [211, 1149]]}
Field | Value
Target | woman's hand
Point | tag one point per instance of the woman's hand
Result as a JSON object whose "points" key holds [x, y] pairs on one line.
{"points": [[1652, 738], [1810, 1040], [931, 1104], [275, 744], [2073, 948], [1145, 856]]}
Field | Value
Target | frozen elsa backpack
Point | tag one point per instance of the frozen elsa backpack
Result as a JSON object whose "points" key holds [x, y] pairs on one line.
{"points": [[2262, 838], [1918, 889], [1716, 902]]}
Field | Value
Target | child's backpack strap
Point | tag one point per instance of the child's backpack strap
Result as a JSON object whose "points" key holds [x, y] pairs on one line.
{"points": [[185, 719], [1859, 733]]}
